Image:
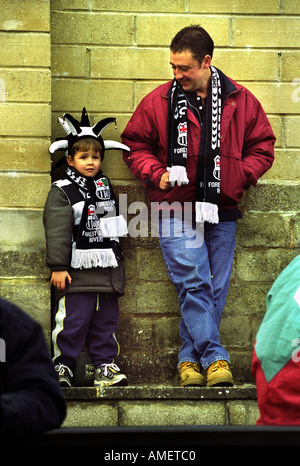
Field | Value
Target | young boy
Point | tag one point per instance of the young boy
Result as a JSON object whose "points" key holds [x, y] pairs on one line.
{"points": [[82, 227]]}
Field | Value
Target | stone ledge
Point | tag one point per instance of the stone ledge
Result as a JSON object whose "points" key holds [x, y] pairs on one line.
{"points": [[161, 392]]}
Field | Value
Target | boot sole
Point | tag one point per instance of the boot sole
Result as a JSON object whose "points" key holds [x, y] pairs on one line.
{"points": [[193, 383], [220, 383], [104, 383], [188, 384]]}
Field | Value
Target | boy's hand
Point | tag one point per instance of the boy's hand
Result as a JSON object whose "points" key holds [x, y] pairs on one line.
{"points": [[58, 279]]}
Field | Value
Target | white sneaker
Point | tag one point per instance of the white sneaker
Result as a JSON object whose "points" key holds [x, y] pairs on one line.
{"points": [[64, 375], [109, 374]]}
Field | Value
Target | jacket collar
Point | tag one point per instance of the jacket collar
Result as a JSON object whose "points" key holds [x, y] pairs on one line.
{"points": [[229, 86]]}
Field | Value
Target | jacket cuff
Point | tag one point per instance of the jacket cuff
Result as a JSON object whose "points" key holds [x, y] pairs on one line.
{"points": [[58, 268], [156, 177]]}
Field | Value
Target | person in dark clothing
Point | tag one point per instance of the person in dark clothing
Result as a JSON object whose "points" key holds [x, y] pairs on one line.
{"points": [[32, 401]]}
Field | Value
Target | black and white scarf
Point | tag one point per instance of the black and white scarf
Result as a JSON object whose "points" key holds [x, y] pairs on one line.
{"points": [[208, 179], [95, 237]]}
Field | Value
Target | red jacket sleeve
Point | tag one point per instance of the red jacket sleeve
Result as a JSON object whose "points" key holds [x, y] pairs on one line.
{"points": [[259, 141], [143, 139]]}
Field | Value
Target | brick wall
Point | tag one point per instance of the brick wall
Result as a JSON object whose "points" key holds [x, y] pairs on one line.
{"points": [[106, 56]]}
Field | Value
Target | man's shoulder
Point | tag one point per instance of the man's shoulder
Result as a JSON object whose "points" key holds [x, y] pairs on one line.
{"points": [[241, 90], [160, 91]]}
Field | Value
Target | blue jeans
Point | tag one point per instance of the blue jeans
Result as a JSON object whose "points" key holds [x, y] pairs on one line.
{"points": [[200, 269]]}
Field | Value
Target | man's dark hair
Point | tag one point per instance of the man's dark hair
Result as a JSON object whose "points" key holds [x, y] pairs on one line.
{"points": [[195, 39]]}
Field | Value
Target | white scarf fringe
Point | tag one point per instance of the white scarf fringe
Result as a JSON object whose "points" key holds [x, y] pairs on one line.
{"points": [[112, 227], [88, 258], [178, 175], [206, 212]]}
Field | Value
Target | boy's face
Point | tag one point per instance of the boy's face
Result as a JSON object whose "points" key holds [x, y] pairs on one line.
{"points": [[87, 163]]}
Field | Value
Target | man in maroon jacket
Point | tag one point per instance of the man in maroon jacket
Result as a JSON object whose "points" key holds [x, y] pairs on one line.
{"points": [[196, 143]]}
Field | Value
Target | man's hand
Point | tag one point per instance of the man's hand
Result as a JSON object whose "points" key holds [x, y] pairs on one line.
{"points": [[58, 279], [164, 183]]}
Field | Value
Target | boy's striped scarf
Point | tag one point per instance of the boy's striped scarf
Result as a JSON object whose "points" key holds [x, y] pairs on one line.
{"points": [[97, 225]]}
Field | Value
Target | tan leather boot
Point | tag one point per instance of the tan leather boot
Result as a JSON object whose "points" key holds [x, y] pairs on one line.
{"points": [[189, 374], [219, 374]]}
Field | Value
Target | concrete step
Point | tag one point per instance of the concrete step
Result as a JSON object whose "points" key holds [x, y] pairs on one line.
{"points": [[160, 405]]}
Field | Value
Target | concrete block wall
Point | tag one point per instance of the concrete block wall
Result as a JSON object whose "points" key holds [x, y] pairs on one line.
{"points": [[106, 56], [25, 134]]}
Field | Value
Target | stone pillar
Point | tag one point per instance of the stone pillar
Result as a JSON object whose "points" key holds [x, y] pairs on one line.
{"points": [[25, 129]]}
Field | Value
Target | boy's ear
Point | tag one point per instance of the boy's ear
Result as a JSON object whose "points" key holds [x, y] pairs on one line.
{"points": [[70, 161]]}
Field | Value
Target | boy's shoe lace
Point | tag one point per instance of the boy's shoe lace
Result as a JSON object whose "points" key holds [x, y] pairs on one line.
{"points": [[64, 375], [109, 374]]}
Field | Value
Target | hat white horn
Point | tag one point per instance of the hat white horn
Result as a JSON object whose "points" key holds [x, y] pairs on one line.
{"points": [[58, 145], [115, 145], [64, 124]]}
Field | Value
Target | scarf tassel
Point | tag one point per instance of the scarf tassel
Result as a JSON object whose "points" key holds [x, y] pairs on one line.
{"points": [[178, 175], [112, 227], [88, 258], [206, 212]]}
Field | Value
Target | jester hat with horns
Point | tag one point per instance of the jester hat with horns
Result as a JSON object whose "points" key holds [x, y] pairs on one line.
{"points": [[76, 131]]}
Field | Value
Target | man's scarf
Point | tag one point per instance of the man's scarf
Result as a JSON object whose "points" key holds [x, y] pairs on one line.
{"points": [[96, 236], [208, 180]]}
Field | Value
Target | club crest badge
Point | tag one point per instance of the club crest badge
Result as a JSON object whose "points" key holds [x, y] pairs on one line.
{"points": [[92, 219], [217, 168], [102, 189], [182, 134]]}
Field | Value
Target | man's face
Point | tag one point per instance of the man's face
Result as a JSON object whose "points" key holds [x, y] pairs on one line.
{"points": [[187, 71]]}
